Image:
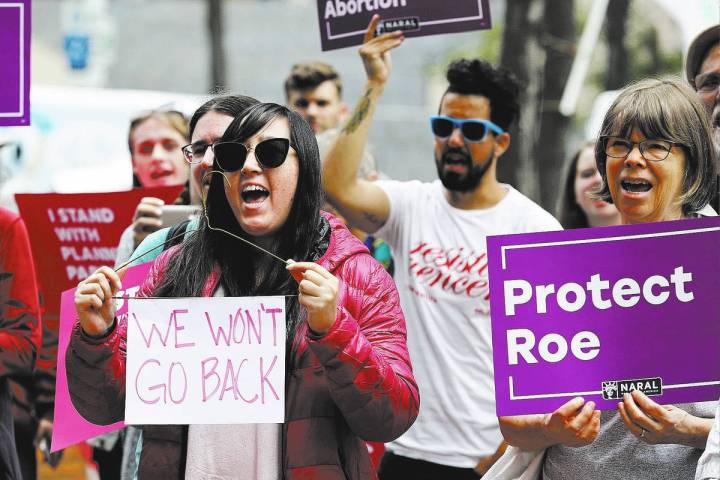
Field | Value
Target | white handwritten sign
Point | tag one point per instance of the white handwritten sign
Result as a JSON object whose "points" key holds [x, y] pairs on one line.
{"points": [[205, 361]]}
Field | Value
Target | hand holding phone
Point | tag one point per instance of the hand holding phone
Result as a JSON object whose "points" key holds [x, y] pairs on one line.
{"points": [[174, 214], [147, 218]]}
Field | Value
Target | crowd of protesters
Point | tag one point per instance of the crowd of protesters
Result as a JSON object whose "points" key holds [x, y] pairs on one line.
{"points": [[378, 350]]}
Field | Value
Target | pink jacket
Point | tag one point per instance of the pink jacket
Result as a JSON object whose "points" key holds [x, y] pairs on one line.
{"points": [[355, 383]]}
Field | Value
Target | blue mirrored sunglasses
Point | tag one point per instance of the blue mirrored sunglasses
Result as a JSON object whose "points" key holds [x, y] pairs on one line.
{"points": [[474, 130]]}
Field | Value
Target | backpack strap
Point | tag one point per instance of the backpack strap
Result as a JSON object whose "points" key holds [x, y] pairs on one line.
{"points": [[176, 234]]}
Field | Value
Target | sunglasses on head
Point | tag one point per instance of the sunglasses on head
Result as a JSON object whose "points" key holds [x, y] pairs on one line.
{"points": [[474, 130], [230, 156]]}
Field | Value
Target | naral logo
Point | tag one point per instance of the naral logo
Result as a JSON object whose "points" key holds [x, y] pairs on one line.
{"points": [[405, 24], [615, 389]]}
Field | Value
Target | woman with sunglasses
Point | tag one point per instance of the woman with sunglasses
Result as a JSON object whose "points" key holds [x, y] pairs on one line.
{"points": [[348, 375], [657, 162]]}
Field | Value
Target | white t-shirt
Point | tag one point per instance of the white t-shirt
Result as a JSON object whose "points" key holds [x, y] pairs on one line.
{"points": [[224, 452], [441, 272]]}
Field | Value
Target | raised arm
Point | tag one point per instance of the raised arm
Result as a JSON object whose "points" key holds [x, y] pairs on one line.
{"points": [[362, 203]]}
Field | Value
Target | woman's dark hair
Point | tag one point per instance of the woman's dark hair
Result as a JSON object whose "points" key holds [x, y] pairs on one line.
{"points": [[232, 105], [665, 109], [244, 270], [568, 212]]}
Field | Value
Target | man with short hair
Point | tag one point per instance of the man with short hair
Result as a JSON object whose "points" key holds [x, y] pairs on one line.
{"points": [[702, 70], [438, 232], [314, 90]]}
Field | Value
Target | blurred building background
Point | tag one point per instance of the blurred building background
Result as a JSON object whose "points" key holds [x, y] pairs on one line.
{"points": [[97, 63], [188, 48]]}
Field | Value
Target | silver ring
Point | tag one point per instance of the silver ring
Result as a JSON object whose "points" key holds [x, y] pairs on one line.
{"points": [[642, 432]]}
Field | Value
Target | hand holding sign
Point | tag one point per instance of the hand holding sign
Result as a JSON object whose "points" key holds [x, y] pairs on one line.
{"points": [[94, 303], [654, 423], [574, 424], [375, 52], [318, 293]]}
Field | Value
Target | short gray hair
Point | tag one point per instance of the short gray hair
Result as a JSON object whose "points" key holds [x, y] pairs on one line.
{"points": [[667, 109]]}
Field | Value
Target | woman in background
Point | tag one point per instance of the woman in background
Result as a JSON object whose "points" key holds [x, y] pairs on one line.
{"points": [[578, 207]]}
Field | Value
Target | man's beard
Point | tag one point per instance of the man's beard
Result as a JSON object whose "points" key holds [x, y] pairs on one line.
{"points": [[466, 182]]}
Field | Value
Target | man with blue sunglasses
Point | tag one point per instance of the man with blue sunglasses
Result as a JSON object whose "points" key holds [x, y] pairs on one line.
{"points": [[437, 232]]}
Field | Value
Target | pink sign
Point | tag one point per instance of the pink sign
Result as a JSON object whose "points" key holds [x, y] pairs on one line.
{"points": [[69, 426]]}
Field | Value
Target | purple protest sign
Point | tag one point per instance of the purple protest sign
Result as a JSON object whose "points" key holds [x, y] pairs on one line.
{"points": [[343, 22], [14, 62], [599, 312]]}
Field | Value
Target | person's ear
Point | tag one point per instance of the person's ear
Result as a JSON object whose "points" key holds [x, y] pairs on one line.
{"points": [[502, 143]]}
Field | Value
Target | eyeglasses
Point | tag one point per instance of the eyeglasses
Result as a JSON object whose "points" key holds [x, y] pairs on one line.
{"points": [[707, 82], [474, 130], [194, 152], [651, 149], [230, 156]]}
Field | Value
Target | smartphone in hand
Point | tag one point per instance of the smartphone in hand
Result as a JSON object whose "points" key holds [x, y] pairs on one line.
{"points": [[174, 214]]}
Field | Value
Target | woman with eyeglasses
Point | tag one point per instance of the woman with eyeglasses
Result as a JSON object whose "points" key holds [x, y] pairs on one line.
{"points": [[348, 374], [657, 162]]}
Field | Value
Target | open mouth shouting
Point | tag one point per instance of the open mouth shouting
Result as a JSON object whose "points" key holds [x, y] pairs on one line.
{"points": [[635, 188], [254, 195], [456, 162]]}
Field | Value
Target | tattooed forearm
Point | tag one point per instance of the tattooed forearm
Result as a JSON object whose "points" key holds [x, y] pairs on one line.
{"points": [[372, 219], [359, 114]]}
